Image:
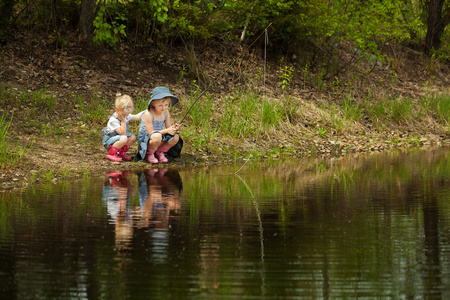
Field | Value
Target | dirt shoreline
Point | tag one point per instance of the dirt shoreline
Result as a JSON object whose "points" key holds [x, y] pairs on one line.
{"points": [[56, 162]]}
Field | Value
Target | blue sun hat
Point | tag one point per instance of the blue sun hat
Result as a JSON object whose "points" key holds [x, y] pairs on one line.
{"points": [[161, 92]]}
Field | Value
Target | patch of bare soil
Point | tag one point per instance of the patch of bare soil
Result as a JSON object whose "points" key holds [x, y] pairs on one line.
{"points": [[36, 63]]}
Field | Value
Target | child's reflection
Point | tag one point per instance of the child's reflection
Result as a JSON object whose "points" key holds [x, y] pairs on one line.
{"points": [[116, 195], [159, 191]]}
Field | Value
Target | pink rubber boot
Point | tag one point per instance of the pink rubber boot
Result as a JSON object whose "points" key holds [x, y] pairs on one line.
{"points": [[160, 153], [123, 152], [113, 154], [150, 157]]}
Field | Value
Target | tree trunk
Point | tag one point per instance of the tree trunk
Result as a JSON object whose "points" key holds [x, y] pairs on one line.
{"points": [[247, 21], [86, 22], [437, 21], [6, 13]]}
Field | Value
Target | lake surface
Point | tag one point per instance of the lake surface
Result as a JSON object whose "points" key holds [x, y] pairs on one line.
{"points": [[375, 227]]}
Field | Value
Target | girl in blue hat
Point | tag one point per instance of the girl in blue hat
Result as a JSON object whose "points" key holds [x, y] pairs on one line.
{"points": [[156, 133]]}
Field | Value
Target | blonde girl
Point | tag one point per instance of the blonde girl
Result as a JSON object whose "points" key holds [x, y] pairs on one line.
{"points": [[116, 138]]}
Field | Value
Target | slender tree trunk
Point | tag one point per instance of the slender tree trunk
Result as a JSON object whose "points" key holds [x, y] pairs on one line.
{"points": [[437, 21], [248, 20], [87, 16]]}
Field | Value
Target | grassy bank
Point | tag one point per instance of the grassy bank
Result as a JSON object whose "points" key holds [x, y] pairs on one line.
{"points": [[239, 124]]}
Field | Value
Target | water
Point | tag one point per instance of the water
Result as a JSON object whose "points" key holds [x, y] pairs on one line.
{"points": [[367, 228]]}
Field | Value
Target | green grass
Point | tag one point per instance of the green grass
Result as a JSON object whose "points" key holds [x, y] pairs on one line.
{"points": [[440, 105], [351, 109], [10, 154], [94, 110], [401, 109]]}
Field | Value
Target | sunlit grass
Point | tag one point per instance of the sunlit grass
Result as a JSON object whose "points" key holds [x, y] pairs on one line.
{"points": [[11, 154], [94, 109]]}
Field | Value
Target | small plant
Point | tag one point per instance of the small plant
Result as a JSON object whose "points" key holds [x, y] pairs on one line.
{"points": [[414, 140], [180, 76], [285, 76], [322, 131], [336, 121], [305, 75], [86, 173], [321, 168], [48, 176]]}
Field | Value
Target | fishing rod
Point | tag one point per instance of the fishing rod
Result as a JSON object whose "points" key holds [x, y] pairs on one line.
{"points": [[266, 40], [221, 75]]}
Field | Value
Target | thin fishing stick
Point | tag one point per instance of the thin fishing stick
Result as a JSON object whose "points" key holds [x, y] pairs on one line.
{"points": [[266, 39], [221, 75]]}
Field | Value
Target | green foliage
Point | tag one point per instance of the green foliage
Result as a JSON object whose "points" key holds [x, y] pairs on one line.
{"points": [[109, 24], [194, 19], [366, 26], [369, 24]]}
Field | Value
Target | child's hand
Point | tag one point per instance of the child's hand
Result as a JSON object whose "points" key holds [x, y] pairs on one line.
{"points": [[120, 115], [173, 129], [177, 126]]}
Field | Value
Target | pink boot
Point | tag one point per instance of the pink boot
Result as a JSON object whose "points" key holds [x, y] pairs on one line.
{"points": [[160, 153], [113, 154], [123, 152], [150, 157]]}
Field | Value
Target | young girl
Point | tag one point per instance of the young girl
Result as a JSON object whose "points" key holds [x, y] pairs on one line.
{"points": [[155, 140], [116, 138]]}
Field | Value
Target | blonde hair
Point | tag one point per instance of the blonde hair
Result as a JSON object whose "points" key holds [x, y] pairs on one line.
{"points": [[124, 102]]}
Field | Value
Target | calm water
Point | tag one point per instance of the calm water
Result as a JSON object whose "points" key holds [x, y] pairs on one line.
{"points": [[367, 228]]}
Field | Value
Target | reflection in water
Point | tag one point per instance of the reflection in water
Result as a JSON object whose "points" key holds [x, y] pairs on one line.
{"points": [[159, 191], [261, 235], [116, 196], [372, 228]]}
